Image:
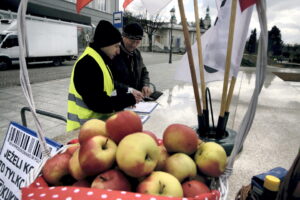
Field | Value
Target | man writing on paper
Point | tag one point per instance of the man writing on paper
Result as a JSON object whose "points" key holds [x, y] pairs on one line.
{"points": [[128, 69], [91, 91]]}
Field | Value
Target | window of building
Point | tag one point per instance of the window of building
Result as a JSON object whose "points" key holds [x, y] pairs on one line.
{"points": [[98, 5]]}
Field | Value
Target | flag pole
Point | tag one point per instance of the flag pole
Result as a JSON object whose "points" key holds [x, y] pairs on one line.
{"points": [[221, 122], [230, 93], [201, 65], [228, 101], [201, 129]]}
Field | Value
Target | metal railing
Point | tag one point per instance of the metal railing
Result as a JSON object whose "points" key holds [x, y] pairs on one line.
{"points": [[41, 112]]}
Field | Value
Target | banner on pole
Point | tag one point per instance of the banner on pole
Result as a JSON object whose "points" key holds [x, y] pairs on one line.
{"points": [[214, 45]]}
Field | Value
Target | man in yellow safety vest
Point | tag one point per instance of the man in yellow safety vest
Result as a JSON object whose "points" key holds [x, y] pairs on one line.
{"points": [[91, 91]]}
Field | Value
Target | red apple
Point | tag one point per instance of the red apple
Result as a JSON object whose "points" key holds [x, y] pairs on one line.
{"points": [[123, 123], [180, 138], [112, 179], [56, 168], [91, 128], [194, 188], [97, 154], [202, 178], [152, 135], [82, 183]]}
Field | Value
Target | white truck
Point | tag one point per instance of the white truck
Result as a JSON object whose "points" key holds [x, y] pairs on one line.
{"points": [[47, 40]]}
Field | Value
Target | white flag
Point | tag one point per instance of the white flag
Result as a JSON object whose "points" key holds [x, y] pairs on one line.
{"points": [[155, 6], [214, 45]]}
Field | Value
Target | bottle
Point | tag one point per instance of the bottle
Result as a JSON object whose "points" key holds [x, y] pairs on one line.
{"points": [[271, 187]]}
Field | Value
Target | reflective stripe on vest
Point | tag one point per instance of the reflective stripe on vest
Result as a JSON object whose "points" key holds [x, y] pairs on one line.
{"points": [[78, 112]]}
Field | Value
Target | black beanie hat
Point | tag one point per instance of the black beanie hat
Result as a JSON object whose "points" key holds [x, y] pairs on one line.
{"points": [[133, 31], [106, 34]]}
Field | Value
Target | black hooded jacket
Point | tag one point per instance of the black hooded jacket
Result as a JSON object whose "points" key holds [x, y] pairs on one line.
{"points": [[129, 70], [88, 81]]}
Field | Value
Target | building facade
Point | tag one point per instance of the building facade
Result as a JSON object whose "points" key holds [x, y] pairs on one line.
{"points": [[162, 38], [65, 10], [94, 12]]}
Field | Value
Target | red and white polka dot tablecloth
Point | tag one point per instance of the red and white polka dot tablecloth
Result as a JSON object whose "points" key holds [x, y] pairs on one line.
{"points": [[39, 191]]}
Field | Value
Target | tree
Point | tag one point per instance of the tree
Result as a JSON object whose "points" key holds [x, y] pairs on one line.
{"points": [[295, 48], [128, 18], [275, 43], [150, 26], [296, 53], [286, 54], [251, 45]]}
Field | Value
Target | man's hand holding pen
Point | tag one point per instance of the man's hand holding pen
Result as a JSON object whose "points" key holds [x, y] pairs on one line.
{"points": [[137, 95]]}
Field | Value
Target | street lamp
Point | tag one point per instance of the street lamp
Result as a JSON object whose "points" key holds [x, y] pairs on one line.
{"points": [[172, 12]]}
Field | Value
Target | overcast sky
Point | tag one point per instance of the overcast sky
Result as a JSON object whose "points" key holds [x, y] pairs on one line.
{"points": [[285, 14]]}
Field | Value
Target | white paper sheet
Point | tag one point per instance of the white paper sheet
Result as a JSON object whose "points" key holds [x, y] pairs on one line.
{"points": [[143, 107]]}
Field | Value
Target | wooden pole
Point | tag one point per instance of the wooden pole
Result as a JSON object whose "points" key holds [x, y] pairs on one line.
{"points": [[190, 56], [230, 93], [228, 56], [200, 58]]}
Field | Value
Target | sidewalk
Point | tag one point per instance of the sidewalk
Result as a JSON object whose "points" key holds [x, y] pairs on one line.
{"points": [[273, 140]]}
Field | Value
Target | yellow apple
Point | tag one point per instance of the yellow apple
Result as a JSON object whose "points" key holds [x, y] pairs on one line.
{"points": [[137, 154], [163, 155], [181, 166], [91, 128], [161, 183], [152, 135], [211, 159], [75, 168]]}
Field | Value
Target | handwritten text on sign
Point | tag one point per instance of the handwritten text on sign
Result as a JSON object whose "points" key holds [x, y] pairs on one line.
{"points": [[20, 153]]}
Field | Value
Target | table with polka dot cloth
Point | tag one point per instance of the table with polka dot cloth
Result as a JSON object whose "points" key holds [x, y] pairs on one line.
{"points": [[39, 191]]}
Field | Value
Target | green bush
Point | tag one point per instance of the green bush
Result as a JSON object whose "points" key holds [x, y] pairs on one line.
{"points": [[247, 63]]}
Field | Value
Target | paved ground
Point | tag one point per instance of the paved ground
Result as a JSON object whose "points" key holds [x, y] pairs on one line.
{"points": [[273, 140], [50, 87]]}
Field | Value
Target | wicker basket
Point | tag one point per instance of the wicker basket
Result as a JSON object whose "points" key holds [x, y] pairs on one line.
{"points": [[37, 188]]}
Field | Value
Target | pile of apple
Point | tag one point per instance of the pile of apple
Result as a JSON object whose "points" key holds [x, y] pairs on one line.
{"points": [[119, 155]]}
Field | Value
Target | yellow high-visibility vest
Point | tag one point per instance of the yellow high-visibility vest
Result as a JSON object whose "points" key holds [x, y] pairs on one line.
{"points": [[78, 112]]}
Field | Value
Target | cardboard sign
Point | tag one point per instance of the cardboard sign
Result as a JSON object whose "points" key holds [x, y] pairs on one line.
{"points": [[20, 153]]}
